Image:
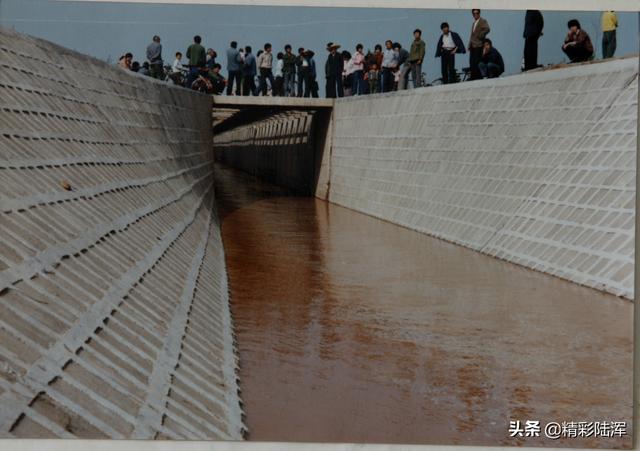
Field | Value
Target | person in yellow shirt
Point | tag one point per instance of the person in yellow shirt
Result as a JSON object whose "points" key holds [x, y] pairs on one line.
{"points": [[609, 26]]}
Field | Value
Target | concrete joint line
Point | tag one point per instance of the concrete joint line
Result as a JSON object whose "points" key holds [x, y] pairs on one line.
{"points": [[49, 366], [111, 94], [89, 119], [150, 413], [23, 203], [36, 90], [85, 140], [16, 163], [39, 262]]}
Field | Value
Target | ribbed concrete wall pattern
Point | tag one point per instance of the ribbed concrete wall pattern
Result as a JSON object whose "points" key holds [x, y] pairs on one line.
{"points": [[114, 317], [537, 169]]}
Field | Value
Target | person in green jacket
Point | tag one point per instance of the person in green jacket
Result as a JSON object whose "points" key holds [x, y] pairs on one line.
{"points": [[197, 59], [414, 61]]}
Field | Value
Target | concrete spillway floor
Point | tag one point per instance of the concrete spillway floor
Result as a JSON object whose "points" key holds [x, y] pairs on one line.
{"points": [[353, 329]]}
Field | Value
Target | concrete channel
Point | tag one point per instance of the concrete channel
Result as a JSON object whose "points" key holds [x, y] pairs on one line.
{"points": [[357, 270]]}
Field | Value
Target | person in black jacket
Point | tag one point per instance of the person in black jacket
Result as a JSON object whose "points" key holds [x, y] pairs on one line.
{"points": [[533, 25], [333, 71], [491, 64], [448, 45]]}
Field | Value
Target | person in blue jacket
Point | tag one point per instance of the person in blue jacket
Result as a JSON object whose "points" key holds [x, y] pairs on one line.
{"points": [[491, 64], [448, 45], [249, 71]]}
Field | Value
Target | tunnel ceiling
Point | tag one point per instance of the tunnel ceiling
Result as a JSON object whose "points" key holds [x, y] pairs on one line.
{"points": [[231, 112]]}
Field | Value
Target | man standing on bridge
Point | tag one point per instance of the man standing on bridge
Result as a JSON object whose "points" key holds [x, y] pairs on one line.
{"points": [[414, 61], [265, 63], [154, 56], [448, 45], [333, 71], [233, 66], [289, 71], [309, 72], [533, 25], [249, 73], [197, 59], [479, 31], [389, 64], [300, 68]]}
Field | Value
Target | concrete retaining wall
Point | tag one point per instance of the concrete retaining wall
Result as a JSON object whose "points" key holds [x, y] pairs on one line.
{"points": [[537, 169], [114, 316]]}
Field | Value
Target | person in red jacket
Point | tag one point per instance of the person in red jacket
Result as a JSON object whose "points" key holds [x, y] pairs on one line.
{"points": [[577, 45]]}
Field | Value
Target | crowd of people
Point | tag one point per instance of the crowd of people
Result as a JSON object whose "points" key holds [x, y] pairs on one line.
{"points": [[381, 70]]}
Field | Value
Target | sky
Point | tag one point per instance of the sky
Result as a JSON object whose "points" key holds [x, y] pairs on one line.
{"points": [[107, 30]]}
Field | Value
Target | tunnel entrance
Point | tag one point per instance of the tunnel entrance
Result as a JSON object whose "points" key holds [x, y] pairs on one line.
{"points": [[282, 140]]}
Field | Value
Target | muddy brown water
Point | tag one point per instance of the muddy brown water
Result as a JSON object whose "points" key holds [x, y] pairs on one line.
{"points": [[352, 329]]}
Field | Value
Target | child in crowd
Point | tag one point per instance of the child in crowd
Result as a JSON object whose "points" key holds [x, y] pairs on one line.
{"points": [[177, 66], [373, 76]]}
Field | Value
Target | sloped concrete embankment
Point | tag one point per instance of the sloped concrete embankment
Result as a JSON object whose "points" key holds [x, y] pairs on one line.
{"points": [[537, 169], [114, 316]]}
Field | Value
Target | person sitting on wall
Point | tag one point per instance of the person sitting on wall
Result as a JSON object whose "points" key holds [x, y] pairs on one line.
{"points": [[145, 69], [125, 61], [577, 45], [491, 64]]}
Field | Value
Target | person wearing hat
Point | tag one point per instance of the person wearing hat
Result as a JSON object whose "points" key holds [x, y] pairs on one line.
{"points": [[333, 71]]}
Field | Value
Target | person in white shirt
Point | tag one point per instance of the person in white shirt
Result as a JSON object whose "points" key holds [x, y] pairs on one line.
{"points": [[347, 73], [278, 87], [389, 64], [357, 62], [265, 62], [177, 66], [448, 45]]}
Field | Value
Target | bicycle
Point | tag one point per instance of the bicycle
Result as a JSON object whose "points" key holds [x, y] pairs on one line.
{"points": [[177, 78], [460, 76]]}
